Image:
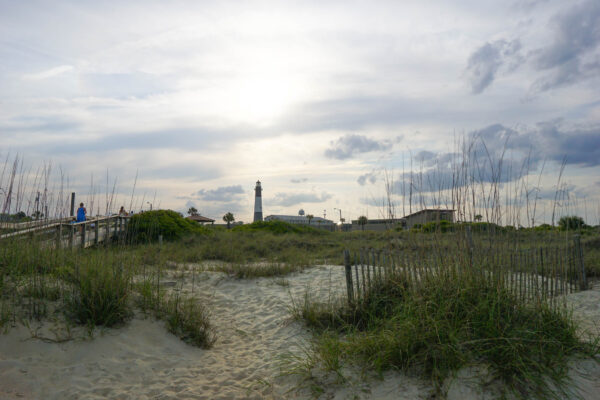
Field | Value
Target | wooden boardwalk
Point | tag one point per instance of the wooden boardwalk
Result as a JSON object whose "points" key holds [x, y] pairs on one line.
{"points": [[65, 233]]}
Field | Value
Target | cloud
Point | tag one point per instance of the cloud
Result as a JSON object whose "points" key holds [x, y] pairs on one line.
{"points": [[298, 180], [184, 170], [39, 123], [290, 199], [572, 56], [577, 146], [484, 62], [221, 194], [349, 145], [369, 177], [48, 73], [500, 154]]}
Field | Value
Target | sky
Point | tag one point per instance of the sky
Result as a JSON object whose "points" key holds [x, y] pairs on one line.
{"points": [[189, 103]]}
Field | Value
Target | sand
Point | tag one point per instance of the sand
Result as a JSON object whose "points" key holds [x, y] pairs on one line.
{"points": [[142, 360]]}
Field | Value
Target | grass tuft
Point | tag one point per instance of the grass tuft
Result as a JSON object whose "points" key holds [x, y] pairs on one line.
{"points": [[188, 319], [100, 294], [441, 325]]}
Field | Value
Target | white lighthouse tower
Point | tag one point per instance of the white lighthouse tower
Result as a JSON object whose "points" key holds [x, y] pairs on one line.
{"points": [[258, 202]]}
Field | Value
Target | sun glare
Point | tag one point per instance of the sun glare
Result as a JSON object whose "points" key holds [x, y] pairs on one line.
{"points": [[261, 98]]}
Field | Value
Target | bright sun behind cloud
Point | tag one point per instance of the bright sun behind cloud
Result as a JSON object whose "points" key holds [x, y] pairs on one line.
{"points": [[261, 98]]}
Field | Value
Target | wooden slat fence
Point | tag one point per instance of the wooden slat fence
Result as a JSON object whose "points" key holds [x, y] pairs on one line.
{"points": [[535, 274]]}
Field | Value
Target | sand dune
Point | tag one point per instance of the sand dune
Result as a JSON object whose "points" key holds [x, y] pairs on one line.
{"points": [[142, 360]]}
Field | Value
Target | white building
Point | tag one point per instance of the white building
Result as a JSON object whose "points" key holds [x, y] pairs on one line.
{"points": [[315, 222]]}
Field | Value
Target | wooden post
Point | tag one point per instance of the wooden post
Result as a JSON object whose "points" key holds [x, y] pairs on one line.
{"points": [[116, 226], [121, 229], [362, 271], [580, 265], [73, 204], [543, 272], [349, 285], [160, 240], [97, 231], [83, 235], [470, 244], [72, 236], [356, 275], [107, 233], [58, 236]]}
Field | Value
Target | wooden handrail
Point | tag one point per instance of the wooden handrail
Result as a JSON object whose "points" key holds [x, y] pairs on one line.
{"points": [[56, 224]]}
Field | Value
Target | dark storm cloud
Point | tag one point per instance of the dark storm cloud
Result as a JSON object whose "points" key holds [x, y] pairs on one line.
{"points": [[578, 146], [223, 194], [350, 145], [369, 177], [572, 55], [500, 154], [484, 62], [290, 199]]}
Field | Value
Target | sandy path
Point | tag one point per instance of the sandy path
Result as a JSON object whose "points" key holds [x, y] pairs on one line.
{"points": [[142, 360]]}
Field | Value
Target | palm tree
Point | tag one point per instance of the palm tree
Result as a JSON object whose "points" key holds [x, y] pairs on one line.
{"points": [[362, 221], [309, 217], [229, 219]]}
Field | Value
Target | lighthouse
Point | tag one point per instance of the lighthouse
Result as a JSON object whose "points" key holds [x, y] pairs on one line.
{"points": [[258, 202]]}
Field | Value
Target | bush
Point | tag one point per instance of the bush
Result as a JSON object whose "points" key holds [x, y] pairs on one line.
{"points": [[278, 227], [571, 223], [440, 325], [438, 226], [543, 228], [146, 227]]}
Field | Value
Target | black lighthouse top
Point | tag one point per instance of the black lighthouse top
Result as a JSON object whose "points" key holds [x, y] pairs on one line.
{"points": [[258, 189]]}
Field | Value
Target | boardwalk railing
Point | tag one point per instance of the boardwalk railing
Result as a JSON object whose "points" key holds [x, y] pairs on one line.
{"points": [[535, 274], [75, 234]]}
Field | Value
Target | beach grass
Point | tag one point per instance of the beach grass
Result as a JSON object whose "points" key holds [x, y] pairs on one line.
{"points": [[436, 326], [432, 328]]}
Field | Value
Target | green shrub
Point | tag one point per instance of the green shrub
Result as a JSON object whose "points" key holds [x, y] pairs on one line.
{"points": [[438, 226], [543, 228], [436, 326], [146, 227], [571, 223], [278, 227]]}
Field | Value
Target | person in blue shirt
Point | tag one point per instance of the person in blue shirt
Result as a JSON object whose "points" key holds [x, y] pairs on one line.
{"points": [[81, 213]]}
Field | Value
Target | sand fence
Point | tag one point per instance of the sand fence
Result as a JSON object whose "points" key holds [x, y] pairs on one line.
{"points": [[539, 273]]}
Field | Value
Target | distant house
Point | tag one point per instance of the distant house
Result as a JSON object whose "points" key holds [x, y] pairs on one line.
{"points": [[428, 215], [315, 222], [420, 217], [201, 220], [378, 224]]}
